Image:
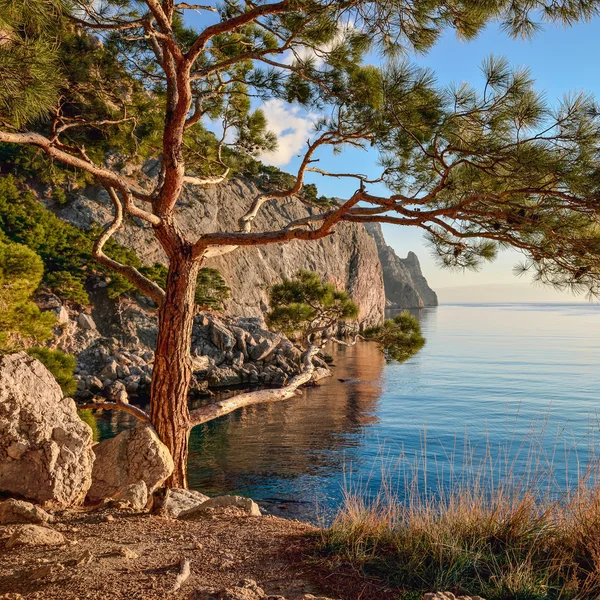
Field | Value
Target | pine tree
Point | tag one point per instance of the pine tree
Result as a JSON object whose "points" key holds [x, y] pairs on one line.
{"points": [[475, 168]]}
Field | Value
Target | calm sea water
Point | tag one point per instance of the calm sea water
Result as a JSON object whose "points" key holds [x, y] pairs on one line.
{"points": [[513, 385]]}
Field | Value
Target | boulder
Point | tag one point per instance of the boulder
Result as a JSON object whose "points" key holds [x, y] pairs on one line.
{"points": [[62, 315], [35, 535], [221, 336], [263, 348], [85, 321], [222, 377], [132, 456], [136, 495], [172, 502], [45, 448], [19, 511], [245, 504]]}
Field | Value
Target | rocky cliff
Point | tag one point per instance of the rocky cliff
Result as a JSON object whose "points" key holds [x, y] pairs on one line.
{"points": [[348, 258], [405, 286]]}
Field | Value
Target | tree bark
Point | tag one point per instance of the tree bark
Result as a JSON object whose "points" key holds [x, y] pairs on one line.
{"points": [[172, 373]]}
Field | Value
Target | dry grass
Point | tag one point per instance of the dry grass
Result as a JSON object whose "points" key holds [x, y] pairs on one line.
{"points": [[490, 532]]}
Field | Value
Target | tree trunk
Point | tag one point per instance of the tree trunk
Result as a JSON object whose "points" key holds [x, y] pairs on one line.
{"points": [[172, 373]]}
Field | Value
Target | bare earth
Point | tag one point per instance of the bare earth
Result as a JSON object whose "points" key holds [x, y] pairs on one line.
{"points": [[137, 556]]}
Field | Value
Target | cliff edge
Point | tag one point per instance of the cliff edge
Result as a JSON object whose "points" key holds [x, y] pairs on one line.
{"points": [[405, 285]]}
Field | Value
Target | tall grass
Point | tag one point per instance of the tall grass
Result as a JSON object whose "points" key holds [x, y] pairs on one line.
{"points": [[502, 524]]}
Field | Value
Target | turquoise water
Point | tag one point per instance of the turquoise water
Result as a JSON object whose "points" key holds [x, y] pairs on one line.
{"points": [[513, 386]]}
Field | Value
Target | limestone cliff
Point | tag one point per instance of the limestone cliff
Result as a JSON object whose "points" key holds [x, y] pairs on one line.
{"points": [[405, 286], [348, 258]]}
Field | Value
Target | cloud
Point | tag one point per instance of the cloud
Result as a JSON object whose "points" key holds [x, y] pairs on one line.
{"points": [[291, 126]]}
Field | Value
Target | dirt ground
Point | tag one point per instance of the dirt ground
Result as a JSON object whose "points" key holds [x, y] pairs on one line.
{"points": [[115, 554]]}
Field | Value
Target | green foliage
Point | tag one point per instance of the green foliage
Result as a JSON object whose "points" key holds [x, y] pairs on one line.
{"points": [[65, 286], [211, 290], [21, 321], [308, 306], [400, 338], [61, 366], [30, 76]]}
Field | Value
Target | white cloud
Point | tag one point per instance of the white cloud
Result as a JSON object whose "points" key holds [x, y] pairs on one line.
{"points": [[291, 126]]}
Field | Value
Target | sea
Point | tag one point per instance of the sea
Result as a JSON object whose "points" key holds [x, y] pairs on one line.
{"points": [[499, 391]]}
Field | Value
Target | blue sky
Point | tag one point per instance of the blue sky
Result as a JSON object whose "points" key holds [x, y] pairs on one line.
{"points": [[561, 60]]}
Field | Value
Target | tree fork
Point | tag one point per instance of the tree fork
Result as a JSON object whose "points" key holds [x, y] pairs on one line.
{"points": [[172, 373]]}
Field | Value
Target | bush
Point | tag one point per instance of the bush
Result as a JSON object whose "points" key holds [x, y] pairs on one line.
{"points": [[400, 338], [21, 321], [66, 286], [61, 365]]}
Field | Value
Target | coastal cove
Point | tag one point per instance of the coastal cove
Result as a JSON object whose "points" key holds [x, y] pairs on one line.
{"points": [[514, 382]]}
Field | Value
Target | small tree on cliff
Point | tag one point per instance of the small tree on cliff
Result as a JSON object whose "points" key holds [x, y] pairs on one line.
{"points": [[311, 308], [476, 169]]}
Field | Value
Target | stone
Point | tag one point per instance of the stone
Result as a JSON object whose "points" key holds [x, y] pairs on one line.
{"points": [[221, 337], [62, 315], [172, 502], [123, 372], [86, 322], [35, 535], [132, 456], [95, 384], [135, 494], [247, 589], [19, 511], [110, 371], [128, 553], [263, 348], [223, 377], [45, 448], [246, 504], [46, 571]]}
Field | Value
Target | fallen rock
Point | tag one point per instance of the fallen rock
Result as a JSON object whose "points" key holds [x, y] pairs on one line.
{"points": [[136, 495], [247, 505], [263, 348], [132, 456], [86, 322], [172, 502], [19, 511], [35, 535], [45, 448]]}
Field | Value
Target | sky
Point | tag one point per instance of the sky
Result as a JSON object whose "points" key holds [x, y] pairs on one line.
{"points": [[561, 60]]}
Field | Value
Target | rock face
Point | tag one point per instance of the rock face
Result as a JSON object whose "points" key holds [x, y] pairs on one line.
{"points": [[405, 286], [45, 448], [132, 456], [348, 259]]}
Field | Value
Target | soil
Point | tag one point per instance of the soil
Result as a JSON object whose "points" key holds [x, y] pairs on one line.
{"points": [[120, 554]]}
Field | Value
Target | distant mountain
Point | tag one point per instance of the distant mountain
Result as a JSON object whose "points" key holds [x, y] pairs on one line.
{"points": [[405, 286]]}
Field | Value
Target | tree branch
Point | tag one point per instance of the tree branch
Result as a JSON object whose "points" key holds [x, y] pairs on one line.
{"points": [[224, 407], [138, 413], [145, 285]]}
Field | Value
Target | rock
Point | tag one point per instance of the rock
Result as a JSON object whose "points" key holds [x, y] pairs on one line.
{"points": [[246, 504], [223, 376], [136, 495], [45, 448], [128, 553], [86, 322], [46, 571], [94, 384], [19, 511], [311, 597], [200, 363], [132, 456], [123, 372], [221, 337], [62, 315], [263, 348], [404, 284], [247, 589], [172, 502], [35, 535], [110, 371]]}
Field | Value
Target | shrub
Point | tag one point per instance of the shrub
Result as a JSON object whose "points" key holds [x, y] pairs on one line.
{"points": [[21, 321], [61, 365], [399, 338]]}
